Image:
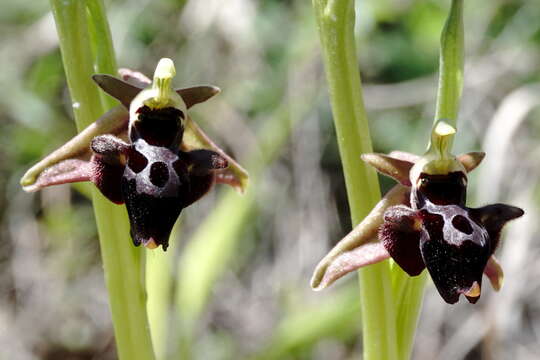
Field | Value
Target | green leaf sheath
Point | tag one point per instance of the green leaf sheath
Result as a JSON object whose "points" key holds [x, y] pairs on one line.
{"points": [[451, 66], [101, 45], [160, 266], [72, 27], [409, 295], [335, 20], [82, 54]]}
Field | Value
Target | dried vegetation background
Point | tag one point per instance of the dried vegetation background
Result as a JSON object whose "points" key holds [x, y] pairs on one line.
{"points": [[242, 265]]}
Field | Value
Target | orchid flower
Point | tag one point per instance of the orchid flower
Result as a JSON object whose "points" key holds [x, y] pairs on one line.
{"points": [[422, 222], [147, 153]]}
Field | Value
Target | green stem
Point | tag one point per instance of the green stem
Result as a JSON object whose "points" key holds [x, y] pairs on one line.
{"points": [[121, 261], [72, 27], [159, 285], [335, 19], [102, 46], [409, 295], [451, 66]]}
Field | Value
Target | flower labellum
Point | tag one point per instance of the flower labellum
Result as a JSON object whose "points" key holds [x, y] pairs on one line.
{"points": [[159, 170], [424, 223]]}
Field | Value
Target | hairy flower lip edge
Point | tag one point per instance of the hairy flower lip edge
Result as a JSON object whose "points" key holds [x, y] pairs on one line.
{"points": [[337, 258]]}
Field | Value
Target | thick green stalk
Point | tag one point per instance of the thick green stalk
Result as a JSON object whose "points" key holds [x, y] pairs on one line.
{"points": [[121, 261], [102, 46], [409, 295], [335, 19], [159, 285]]}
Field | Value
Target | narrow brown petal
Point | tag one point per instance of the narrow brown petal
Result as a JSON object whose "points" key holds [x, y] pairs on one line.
{"points": [[197, 94], [390, 166], [118, 89], [126, 90], [365, 232], [471, 160], [135, 78]]}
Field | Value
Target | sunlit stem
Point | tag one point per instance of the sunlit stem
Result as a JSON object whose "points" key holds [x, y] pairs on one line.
{"points": [[336, 29], [159, 284], [121, 261]]}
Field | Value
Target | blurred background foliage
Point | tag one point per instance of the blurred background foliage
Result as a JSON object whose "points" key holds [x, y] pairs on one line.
{"points": [[235, 285]]}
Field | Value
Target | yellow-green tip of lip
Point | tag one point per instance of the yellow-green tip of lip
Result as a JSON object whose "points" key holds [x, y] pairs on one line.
{"points": [[151, 244]]}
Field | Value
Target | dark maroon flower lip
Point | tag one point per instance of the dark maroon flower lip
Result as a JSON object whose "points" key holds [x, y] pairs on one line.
{"points": [[423, 222], [166, 164], [455, 243]]}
